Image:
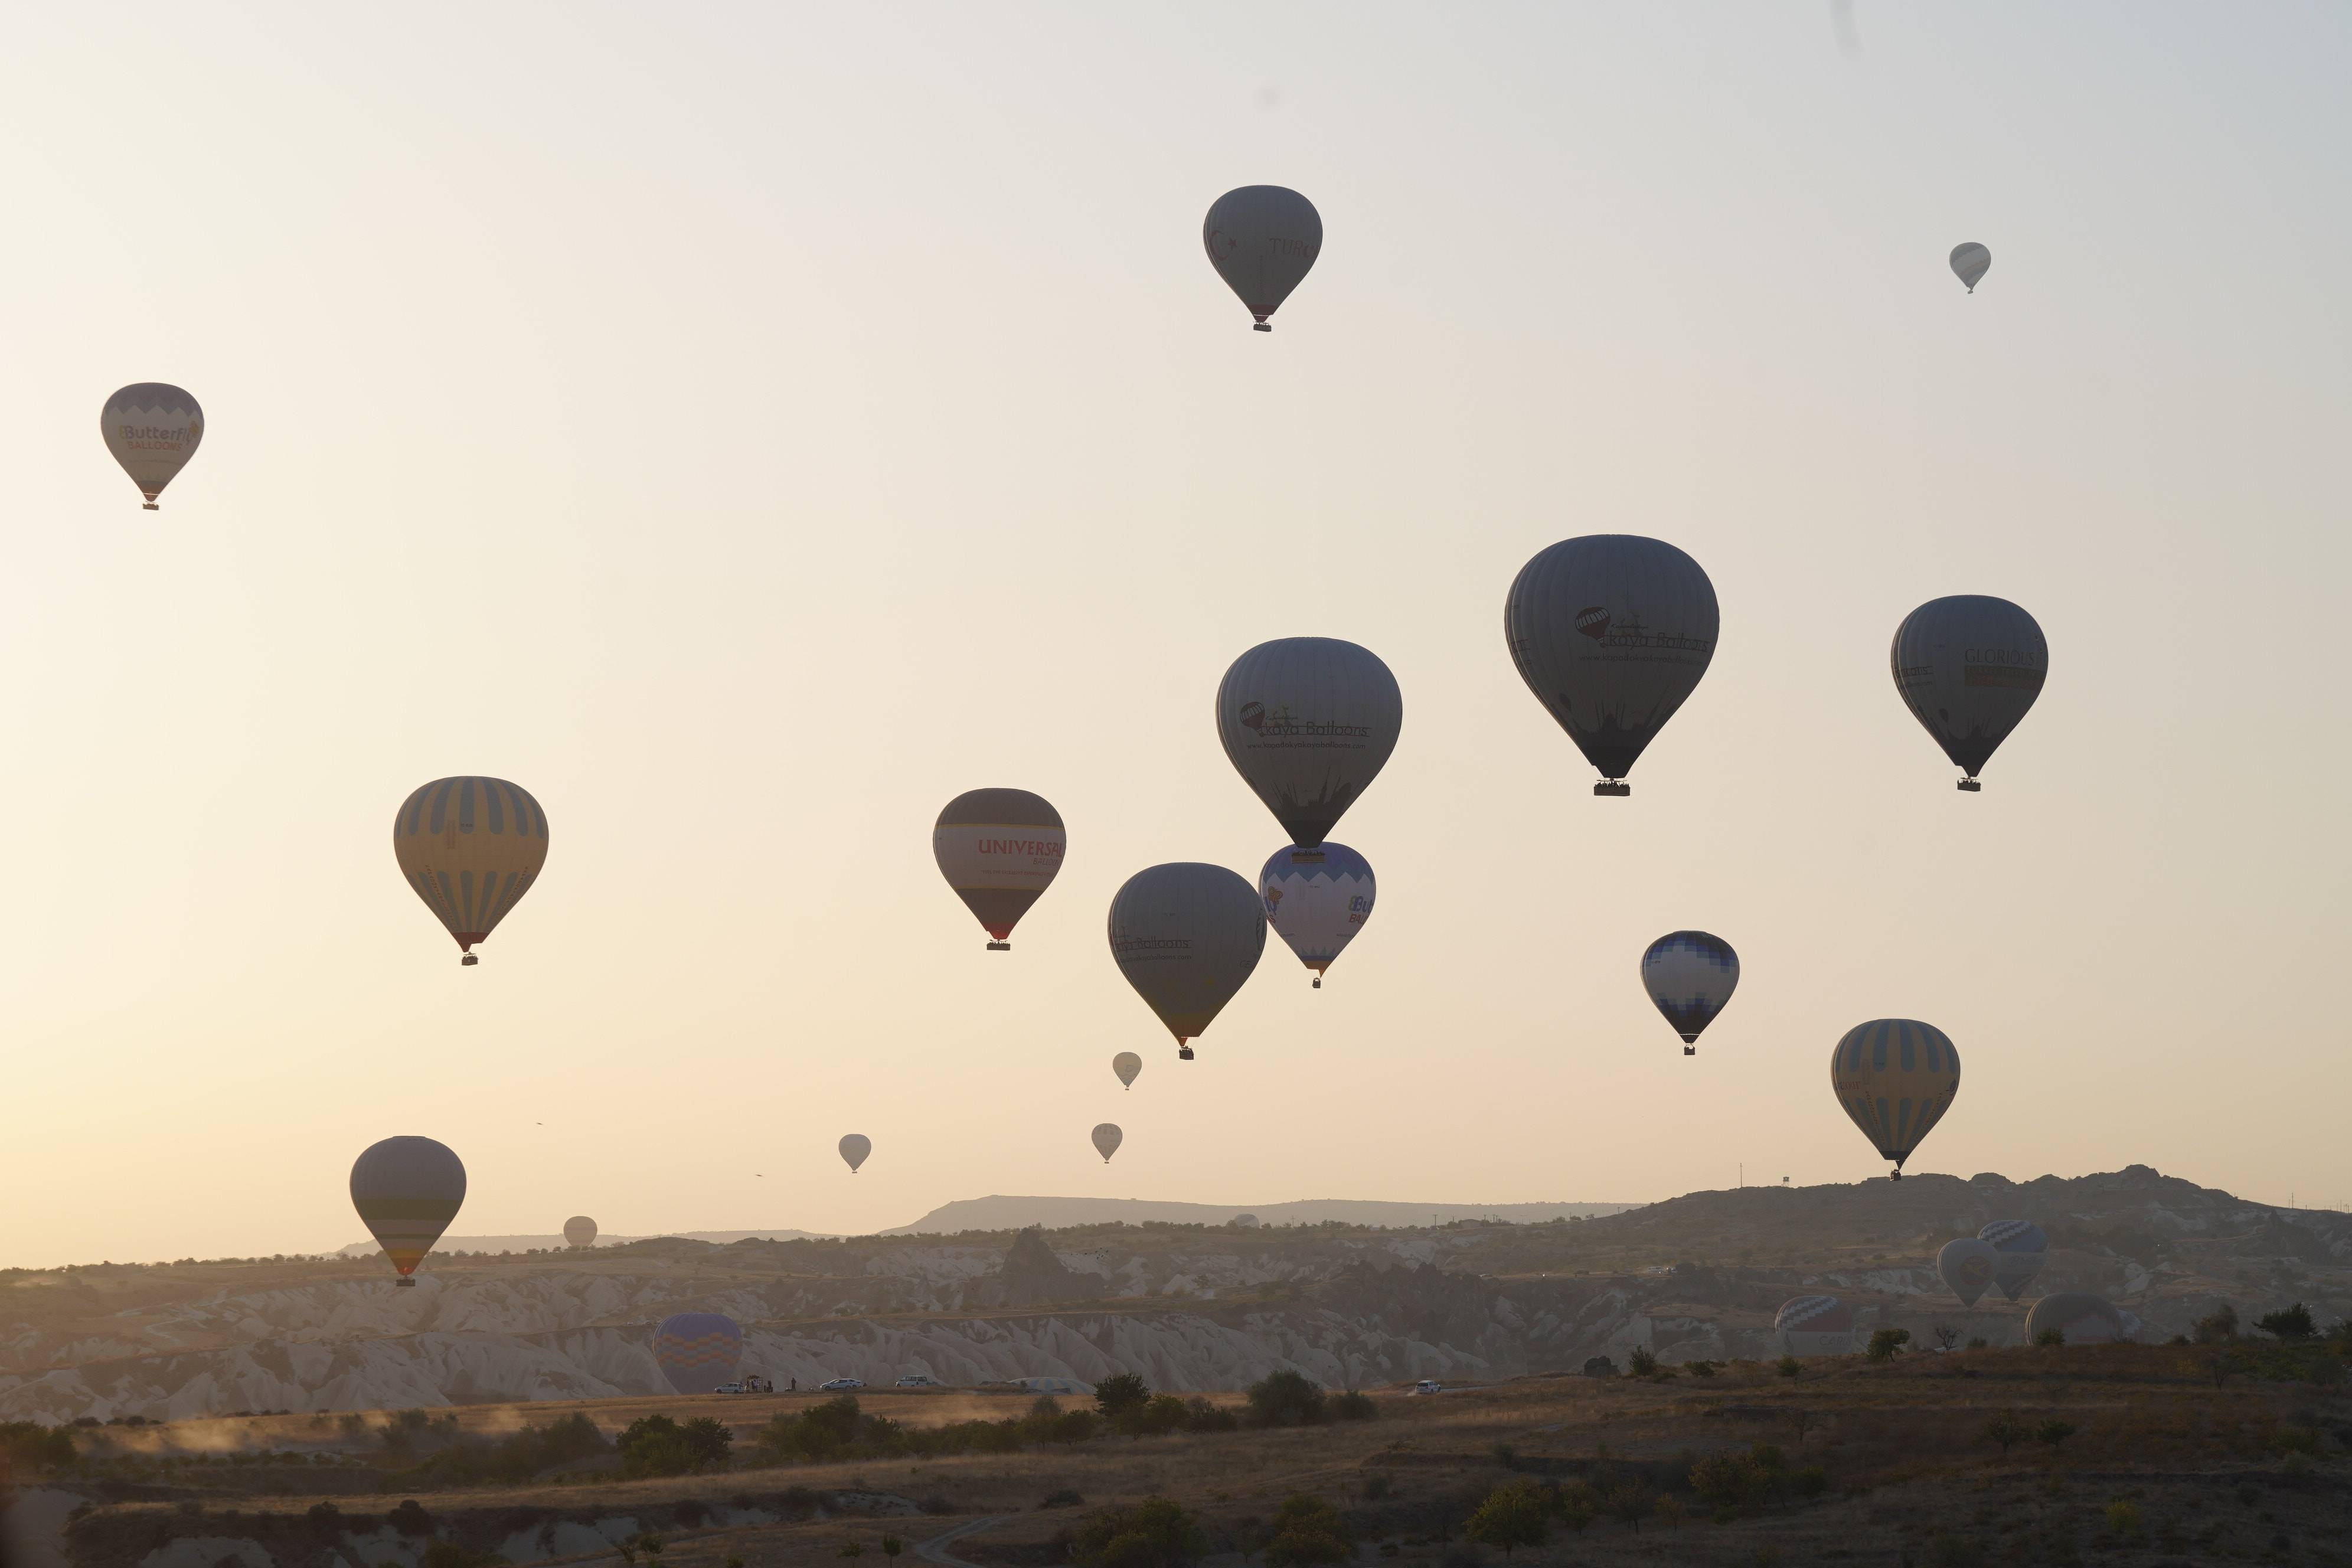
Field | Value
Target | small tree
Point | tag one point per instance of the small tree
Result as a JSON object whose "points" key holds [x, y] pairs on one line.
{"points": [[1308, 1531], [1788, 1366], [1803, 1420], [2050, 1338], [2006, 1427], [1630, 1501], [1946, 1337], [2218, 1327], [1887, 1343], [892, 1546], [1286, 1398], [2294, 1323], [1515, 1514], [1157, 1533], [2053, 1432], [1123, 1395], [1641, 1361]]}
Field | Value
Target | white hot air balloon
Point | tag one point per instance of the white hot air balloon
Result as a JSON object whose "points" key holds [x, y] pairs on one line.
{"points": [[1971, 262], [1126, 1064], [1262, 240], [855, 1147], [1107, 1139]]}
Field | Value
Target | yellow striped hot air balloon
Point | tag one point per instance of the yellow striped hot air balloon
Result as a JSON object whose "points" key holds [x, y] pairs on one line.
{"points": [[470, 847], [1895, 1077]]}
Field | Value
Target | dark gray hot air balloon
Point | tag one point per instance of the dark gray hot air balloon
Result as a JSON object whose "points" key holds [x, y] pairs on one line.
{"points": [[1262, 240], [1307, 723], [1127, 1066], [1108, 1138], [407, 1190], [153, 429], [998, 849], [855, 1147], [1971, 262], [580, 1231], [1967, 1266], [1612, 632], [1186, 936], [1968, 668]]}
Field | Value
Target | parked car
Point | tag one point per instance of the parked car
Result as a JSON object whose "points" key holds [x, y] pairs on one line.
{"points": [[729, 1388], [841, 1385], [920, 1380], [1429, 1386]]}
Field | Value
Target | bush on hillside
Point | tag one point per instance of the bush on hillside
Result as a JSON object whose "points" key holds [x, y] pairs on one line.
{"points": [[1161, 1413], [1201, 1415], [1157, 1533], [1515, 1514], [658, 1445], [29, 1446], [1887, 1343], [1121, 1397], [1308, 1531], [1353, 1405], [2292, 1324], [2218, 1327], [518, 1458], [1286, 1398]]}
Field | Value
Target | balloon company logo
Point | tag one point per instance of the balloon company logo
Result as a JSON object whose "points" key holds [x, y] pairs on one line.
{"points": [[1149, 946], [1273, 898], [1593, 622], [1632, 636], [1280, 724], [153, 437], [1045, 847]]}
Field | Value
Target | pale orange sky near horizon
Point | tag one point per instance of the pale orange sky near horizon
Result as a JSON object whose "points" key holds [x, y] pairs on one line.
{"points": [[748, 428]]}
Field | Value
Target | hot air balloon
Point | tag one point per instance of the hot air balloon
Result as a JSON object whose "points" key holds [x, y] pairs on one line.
{"points": [[1186, 936], [855, 1147], [1895, 1077], [2021, 1246], [407, 1190], [1690, 975], [997, 848], [2084, 1320], [1815, 1325], [153, 429], [1262, 240], [1612, 632], [1968, 668], [1127, 1064], [1308, 722], [1966, 1266], [1318, 904], [697, 1350], [1971, 262], [580, 1231], [1107, 1139], [471, 847]]}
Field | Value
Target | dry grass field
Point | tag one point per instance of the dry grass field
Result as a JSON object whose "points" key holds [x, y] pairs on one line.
{"points": [[1878, 1465]]}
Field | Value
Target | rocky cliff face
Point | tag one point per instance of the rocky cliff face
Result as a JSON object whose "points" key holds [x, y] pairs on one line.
{"points": [[1191, 1308]]}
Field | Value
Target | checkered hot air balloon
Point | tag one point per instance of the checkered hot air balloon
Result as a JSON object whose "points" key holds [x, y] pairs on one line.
{"points": [[1317, 900], [2021, 1246], [1895, 1078], [697, 1350], [1815, 1325], [1690, 974]]}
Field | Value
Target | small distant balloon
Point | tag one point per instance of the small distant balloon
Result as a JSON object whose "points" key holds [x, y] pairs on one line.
{"points": [[697, 1350], [1186, 935], [1317, 900], [470, 847], [153, 429], [580, 1231], [855, 1147], [1107, 1139], [1127, 1064], [1690, 975], [1966, 1266], [1895, 1078], [2022, 1247], [998, 849], [1971, 262], [1262, 240], [1968, 668], [1309, 723], [407, 1190]]}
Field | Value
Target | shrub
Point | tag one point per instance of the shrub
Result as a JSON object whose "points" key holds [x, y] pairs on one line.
{"points": [[1887, 1343], [1353, 1405], [2218, 1327], [1788, 1366], [410, 1519], [1123, 1395], [1629, 1501], [2050, 1338], [1515, 1514], [1308, 1530], [1286, 1398], [1201, 1415], [2053, 1432], [1738, 1480], [1641, 1361], [2123, 1520], [1979, 1343], [892, 1546], [1701, 1368], [2291, 1324], [1074, 1426], [1575, 1505], [1161, 1413], [1810, 1482], [2006, 1427], [29, 1446], [1157, 1533], [1066, 1497], [658, 1445]]}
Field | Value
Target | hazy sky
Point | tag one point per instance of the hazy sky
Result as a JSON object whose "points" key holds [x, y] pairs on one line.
{"points": [[748, 426]]}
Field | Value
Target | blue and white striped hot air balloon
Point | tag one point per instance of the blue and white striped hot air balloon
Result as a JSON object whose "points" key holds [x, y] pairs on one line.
{"points": [[1690, 975], [1317, 900], [2022, 1247]]}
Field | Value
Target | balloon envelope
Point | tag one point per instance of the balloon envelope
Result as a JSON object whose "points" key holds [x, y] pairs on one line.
{"points": [[2084, 1320], [697, 1350], [1895, 1077], [1815, 1325], [470, 847], [1968, 668], [855, 1147], [1127, 1064], [1317, 900], [1690, 975], [1967, 1267], [407, 1190], [1612, 632], [2022, 1247], [1971, 262], [1262, 240], [153, 429], [1107, 1139], [580, 1231], [998, 849], [1186, 935], [1307, 723]]}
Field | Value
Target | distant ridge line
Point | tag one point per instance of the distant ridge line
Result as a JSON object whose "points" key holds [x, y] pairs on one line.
{"points": [[1002, 1212]]}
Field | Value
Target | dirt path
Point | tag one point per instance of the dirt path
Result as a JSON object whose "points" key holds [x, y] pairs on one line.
{"points": [[935, 1550]]}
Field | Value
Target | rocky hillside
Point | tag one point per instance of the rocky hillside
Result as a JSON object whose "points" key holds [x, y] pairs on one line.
{"points": [[1194, 1306]]}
